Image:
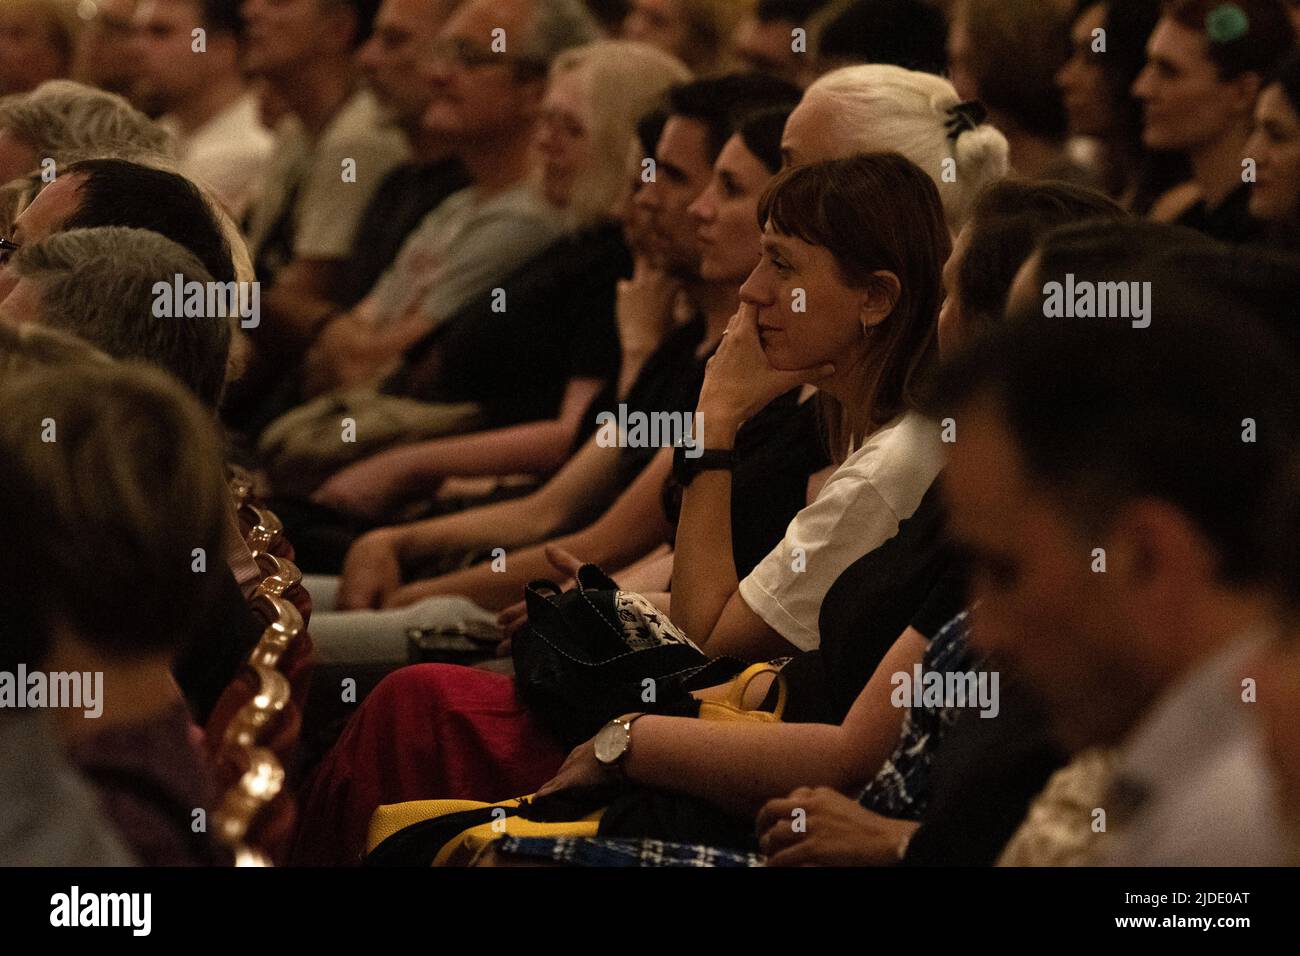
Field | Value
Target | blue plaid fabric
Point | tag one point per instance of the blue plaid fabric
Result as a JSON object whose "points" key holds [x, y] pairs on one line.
{"points": [[901, 788], [604, 851]]}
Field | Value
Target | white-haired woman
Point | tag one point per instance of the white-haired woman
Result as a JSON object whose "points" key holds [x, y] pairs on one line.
{"points": [[872, 108]]}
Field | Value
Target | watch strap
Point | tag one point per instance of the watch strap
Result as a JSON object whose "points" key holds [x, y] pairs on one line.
{"points": [[686, 467]]}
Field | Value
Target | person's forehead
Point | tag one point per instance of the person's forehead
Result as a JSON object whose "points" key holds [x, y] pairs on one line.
{"points": [[982, 478], [567, 91], [50, 209], [477, 19], [801, 129], [406, 14], [1171, 40]]}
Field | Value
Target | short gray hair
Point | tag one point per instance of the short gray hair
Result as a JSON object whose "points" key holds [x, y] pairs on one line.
{"points": [[98, 284], [68, 122], [556, 26]]}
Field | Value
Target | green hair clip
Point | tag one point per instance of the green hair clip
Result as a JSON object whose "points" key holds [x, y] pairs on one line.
{"points": [[1226, 22]]}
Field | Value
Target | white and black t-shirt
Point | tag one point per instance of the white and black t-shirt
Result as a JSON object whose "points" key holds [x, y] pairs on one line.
{"points": [[859, 508]]}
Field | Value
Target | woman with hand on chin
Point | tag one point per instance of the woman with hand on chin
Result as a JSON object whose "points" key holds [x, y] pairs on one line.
{"points": [[848, 304], [860, 243]]}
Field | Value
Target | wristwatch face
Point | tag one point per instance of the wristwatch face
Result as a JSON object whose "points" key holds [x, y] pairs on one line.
{"points": [[611, 741]]}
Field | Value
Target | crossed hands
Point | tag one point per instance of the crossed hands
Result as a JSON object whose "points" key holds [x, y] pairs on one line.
{"points": [[819, 826]]}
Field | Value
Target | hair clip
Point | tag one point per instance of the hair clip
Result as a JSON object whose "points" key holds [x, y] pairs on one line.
{"points": [[965, 116], [1226, 22]]}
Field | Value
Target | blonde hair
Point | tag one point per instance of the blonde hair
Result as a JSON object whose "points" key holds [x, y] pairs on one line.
{"points": [[68, 121], [623, 82], [882, 108]]}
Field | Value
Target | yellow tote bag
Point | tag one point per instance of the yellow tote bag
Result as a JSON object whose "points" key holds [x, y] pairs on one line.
{"points": [[733, 708], [464, 848]]}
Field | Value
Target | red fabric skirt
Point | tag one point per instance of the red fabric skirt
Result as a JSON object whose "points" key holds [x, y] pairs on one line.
{"points": [[428, 731]]}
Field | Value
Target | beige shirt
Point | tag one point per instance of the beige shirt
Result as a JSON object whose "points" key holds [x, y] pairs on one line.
{"points": [[227, 155], [328, 180]]}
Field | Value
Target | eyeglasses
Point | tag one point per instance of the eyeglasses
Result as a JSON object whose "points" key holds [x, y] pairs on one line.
{"points": [[7, 248]]}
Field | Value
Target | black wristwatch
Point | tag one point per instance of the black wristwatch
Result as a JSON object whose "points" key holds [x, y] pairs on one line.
{"points": [[685, 467]]}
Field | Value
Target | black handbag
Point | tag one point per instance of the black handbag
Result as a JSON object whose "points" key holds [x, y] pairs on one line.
{"points": [[595, 652]]}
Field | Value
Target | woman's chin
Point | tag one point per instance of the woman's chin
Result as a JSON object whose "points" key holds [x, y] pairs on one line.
{"points": [[777, 357]]}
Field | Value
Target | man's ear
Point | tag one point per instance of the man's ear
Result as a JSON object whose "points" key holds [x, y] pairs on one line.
{"points": [[1151, 543], [879, 298]]}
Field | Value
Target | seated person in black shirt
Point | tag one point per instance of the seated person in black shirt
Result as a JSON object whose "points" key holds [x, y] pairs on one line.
{"points": [[548, 328], [669, 381], [1206, 64], [391, 63]]}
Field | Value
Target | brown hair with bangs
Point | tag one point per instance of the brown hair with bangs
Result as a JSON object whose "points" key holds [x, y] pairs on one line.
{"points": [[873, 212]]}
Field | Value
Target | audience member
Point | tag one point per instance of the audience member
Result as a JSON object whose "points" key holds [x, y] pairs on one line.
{"points": [[1206, 64], [863, 109], [114, 192], [37, 38], [195, 83], [1274, 145], [104, 57], [1024, 103], [697, 32], [906, 33], [391, 61], [1096, 84], [766, 40], [52, 817], [331, 151], [1150, 655], [107, 581]]}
